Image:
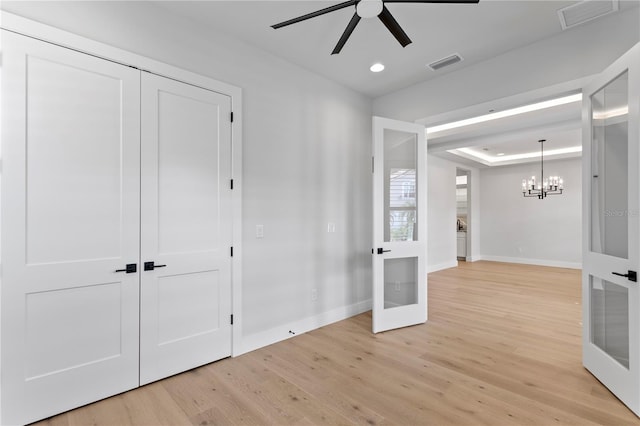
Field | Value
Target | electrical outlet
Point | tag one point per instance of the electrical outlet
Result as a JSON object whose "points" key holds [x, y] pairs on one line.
{"points": [[396, 286], [331, 227], [259, 231], [314, 294]]}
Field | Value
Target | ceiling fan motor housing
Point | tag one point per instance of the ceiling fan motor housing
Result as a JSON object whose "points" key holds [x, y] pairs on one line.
{"points": [[369, 8]]}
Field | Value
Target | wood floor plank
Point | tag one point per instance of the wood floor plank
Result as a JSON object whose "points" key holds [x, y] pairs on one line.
{"points": [[502, 346]]}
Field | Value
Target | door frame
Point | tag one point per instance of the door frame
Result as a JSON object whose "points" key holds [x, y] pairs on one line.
{"points": [[29, 28], [469, 173]]}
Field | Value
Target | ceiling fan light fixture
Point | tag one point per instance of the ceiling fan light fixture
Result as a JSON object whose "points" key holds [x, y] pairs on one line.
{"points": [[377, 67], [369, 8]]}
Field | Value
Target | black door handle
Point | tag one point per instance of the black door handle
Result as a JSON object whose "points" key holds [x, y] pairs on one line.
{"points": [[630, 275], [380, 250], [150, 266], [131, 268]]}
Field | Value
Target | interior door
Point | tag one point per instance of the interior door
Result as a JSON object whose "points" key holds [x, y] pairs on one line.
{"points": [[399, 224], [70, 212], [185, 227], [611, 156]]}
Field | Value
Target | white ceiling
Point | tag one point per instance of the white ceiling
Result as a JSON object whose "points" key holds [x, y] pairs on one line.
{"points": [[474, 31]]}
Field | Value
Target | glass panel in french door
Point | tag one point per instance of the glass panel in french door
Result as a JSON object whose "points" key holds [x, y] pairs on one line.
{"points": [[401, 181], [610, 166]]}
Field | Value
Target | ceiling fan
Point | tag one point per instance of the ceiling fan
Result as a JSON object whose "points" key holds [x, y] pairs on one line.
{"points": [[367, 9]]}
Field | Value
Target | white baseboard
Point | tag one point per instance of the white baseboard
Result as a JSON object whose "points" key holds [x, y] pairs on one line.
{"points": [[539, 262], [283, 332], [440, 266]]}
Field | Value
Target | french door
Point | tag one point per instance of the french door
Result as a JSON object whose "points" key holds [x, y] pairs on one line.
{"points": [[611, 221], [116, 228], [399, 224]]}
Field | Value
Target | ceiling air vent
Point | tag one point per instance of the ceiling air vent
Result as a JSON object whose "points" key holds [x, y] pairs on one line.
{"points": [[445, 62], [585, 11]]}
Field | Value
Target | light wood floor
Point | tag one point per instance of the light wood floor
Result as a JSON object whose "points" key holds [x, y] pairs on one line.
{"points": [[501, 347]]}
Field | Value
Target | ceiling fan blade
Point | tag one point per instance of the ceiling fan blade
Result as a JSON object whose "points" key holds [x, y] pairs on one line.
{"points": [[392, 25], [346, 34], [431, 1], [314, 14]]}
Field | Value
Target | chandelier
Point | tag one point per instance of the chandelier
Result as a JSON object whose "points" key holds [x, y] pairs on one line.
{"points": [[551, 185]]}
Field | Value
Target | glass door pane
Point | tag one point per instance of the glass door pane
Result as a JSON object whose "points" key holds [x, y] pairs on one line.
{"points": [[400, 282], [401, 186], [610, 319], [610, 166]]}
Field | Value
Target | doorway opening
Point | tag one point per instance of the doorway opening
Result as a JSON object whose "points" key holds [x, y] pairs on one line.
{"points": [[463, 213]]}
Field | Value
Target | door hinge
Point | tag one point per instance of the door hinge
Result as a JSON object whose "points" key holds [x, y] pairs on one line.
{"points": [[231, 251], [231, 183], [232, 116], [373, 159], [231, 319]]}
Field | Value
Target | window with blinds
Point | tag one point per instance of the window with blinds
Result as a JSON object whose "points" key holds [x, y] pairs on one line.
{"points": [[402, 204]]}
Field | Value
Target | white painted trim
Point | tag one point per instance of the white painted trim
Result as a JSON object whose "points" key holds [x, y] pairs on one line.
{"points": [[539, 262], [441, 266], [236, 205], [27, 27], [292, 329]]}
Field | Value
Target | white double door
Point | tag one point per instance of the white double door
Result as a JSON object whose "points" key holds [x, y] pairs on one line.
{"points": [[106, 169]]}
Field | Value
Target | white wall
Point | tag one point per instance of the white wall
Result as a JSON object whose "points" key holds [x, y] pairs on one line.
{"points": [[528, 230], [442, 213], [307, 160], [576, 53]]}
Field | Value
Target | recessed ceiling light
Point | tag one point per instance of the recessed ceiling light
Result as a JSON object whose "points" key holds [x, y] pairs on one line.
{"points": [[377, 67]]}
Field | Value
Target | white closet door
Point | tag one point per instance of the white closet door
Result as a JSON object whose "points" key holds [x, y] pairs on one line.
{"points": [[70, 213], [186, 227]]}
